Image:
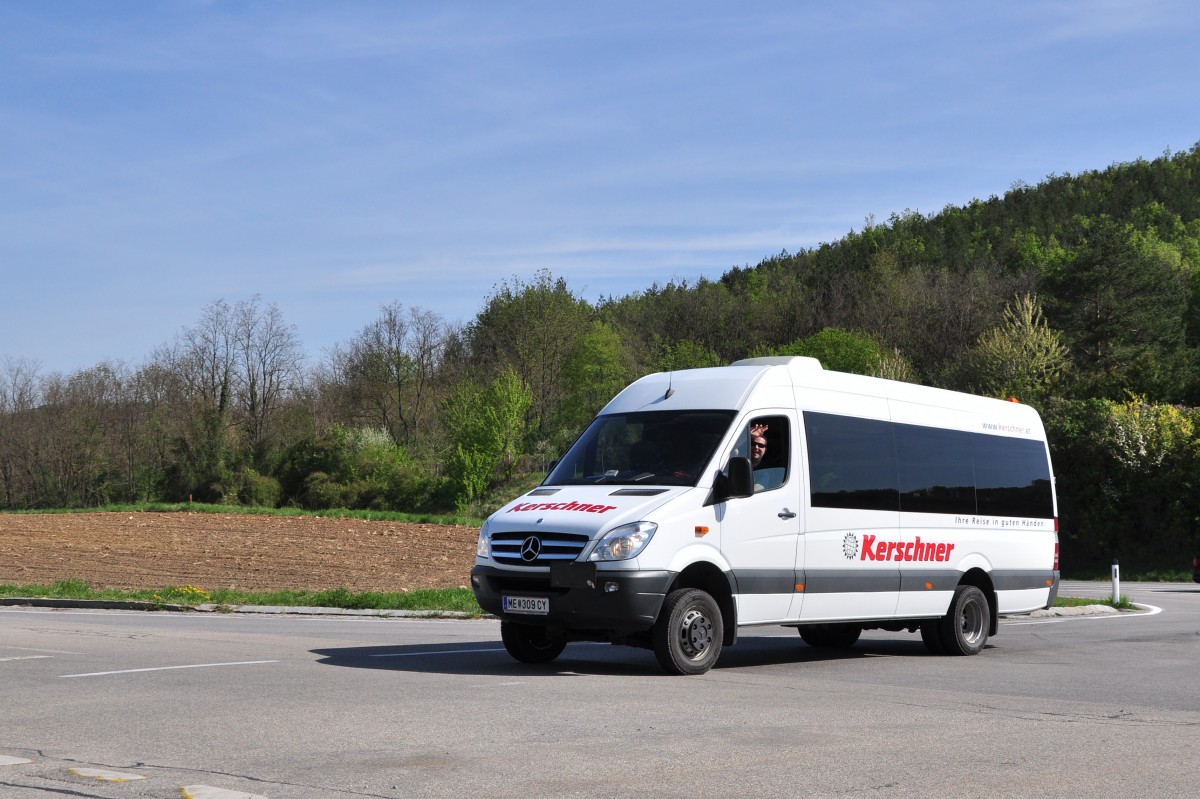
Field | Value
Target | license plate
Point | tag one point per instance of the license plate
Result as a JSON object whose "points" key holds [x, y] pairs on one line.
{"points": [[531, 605]]}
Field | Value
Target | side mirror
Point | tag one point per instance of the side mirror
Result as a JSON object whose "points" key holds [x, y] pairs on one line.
{"points": [[736, 482]]}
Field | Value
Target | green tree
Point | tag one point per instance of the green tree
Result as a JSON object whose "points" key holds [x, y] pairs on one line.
{"points": [[1022, 357], [595, 372], [1121, 304], [686, 354], [486, 425], [531, 329], [894, 365], [839, 350]]}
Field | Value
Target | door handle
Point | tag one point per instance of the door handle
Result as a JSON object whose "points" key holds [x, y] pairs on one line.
{"points": [[786, 514]]}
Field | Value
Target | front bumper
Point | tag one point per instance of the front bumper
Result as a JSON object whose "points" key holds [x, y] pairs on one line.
{"points": [[582, 598]]}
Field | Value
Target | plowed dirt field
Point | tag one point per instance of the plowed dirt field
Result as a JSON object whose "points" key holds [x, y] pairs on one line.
{"points": [[251, 553]]}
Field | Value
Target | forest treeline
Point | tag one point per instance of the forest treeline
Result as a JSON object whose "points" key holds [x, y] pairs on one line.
{"points": [[1079, 296]]}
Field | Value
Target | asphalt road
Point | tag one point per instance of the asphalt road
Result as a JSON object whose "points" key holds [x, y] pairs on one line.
{"points": [[214, 706]]}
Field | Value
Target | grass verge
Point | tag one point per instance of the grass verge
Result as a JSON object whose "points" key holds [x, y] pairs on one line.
{"points": [[455, 600], [1122, 603]]}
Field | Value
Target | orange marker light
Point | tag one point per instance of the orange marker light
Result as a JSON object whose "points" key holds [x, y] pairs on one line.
{"points": [[799, 586], [701, 530], [928, 586]]}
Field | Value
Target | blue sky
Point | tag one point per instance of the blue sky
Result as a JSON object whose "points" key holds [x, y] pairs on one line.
{"points": [[333, 157]]}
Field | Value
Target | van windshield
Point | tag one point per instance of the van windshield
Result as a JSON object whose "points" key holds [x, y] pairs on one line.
{"points": [[651, 448]]}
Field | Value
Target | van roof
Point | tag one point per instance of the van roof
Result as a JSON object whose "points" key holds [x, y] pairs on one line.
{"points": [[722, 387]]}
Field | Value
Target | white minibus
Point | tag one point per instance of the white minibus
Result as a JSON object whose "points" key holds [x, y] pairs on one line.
{"points": [[775, 492]]}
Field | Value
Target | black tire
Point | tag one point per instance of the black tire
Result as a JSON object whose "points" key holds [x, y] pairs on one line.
{"points": [[687, 636], [932, 638], [831, 636], [964, 629], [529, 644]]}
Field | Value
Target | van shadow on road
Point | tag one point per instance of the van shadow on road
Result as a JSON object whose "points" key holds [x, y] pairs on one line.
{"points": [[490, 658]]}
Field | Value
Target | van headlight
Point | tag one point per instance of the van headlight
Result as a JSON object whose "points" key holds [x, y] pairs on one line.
{"points": [[624, 542], [483, 547]]}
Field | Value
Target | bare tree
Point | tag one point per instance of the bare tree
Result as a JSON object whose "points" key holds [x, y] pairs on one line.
{"points": [[204, 357], [20, 395], [236, 367], [202, 360], [73, 437], [268, 360], [390, 368]]}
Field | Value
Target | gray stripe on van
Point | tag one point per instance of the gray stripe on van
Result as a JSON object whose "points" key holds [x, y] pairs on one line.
{"points": [[765, 581], [850, 581], [929, 579], [1021, 579]]}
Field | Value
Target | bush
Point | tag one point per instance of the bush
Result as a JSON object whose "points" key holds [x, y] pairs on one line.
{"points": [[258, 490], [1127, 479], [362, 468], [320, 492]]}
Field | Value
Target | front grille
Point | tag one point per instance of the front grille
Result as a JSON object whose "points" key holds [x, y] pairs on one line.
{"points": [[537, 549]]}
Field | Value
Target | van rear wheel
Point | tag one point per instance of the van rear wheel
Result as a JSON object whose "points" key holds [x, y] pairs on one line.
{"points": [[964, 629], [687, 636], [529, 644], [931, 637]]}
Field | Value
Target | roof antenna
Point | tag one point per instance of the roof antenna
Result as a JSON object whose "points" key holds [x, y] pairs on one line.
{"points": [[670, 383]]}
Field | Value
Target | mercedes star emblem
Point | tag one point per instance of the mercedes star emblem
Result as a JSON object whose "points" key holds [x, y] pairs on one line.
{"points": [[531, 548]]}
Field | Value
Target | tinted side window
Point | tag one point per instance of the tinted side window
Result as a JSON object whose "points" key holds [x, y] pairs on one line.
{"points": [[852, 462], [876, 465], [1012, 477], [936, 473]]}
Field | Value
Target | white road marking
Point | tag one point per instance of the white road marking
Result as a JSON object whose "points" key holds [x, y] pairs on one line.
{"points": [[170, 668], [38, 649], [9, 760], [209, 792], [104, 775], [23, 657]]}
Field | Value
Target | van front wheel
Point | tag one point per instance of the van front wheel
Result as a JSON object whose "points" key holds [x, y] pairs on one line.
{"points": [[529, 644], [687, 636], [964, 629]]}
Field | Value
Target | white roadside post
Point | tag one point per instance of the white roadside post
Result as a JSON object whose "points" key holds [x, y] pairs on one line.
{"points": [[1116, 577]]}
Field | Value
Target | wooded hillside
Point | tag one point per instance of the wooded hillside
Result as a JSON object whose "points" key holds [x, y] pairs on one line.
{"points": [[1080, 296]]}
